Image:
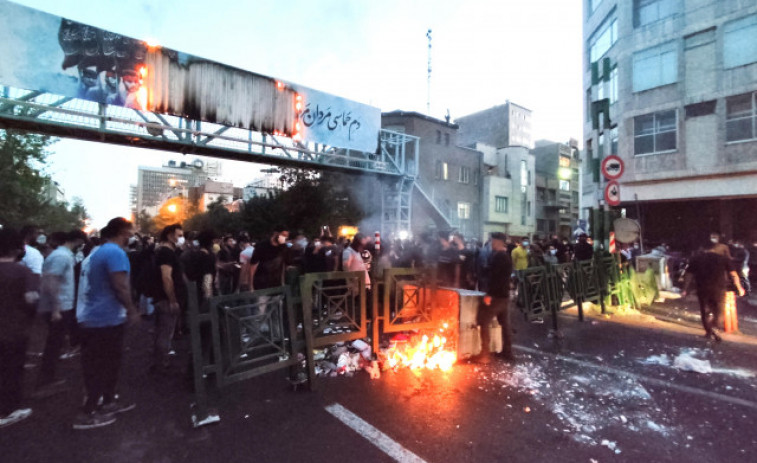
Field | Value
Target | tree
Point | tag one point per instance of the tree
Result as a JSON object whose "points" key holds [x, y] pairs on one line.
{"points": [[22, 157], [306, 202]]}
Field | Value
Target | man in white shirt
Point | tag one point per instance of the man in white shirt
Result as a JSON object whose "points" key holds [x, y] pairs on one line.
{"points": [[56, 304], [33, 259]]}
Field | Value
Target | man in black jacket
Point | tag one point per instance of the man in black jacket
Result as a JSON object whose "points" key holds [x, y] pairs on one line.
{"points": [[496, 301]]}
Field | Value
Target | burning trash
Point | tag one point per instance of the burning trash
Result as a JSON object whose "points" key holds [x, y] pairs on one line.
{"points": [[423, 350]]}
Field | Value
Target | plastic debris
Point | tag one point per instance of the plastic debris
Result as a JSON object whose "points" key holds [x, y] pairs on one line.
{"points": [[687, 362]]}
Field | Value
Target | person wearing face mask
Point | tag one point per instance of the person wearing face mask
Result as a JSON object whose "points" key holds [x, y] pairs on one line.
{"points": [[268, 261], [718, 247], [519, 255], [550, 257], [56, 304], [170, 297], [102, 322]]}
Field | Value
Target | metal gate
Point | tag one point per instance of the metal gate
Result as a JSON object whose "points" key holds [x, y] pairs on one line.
{"points": [[237, 337]]}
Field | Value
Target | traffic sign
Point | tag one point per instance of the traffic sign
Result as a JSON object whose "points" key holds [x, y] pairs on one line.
{"points": [[612, 167], [612, 193]]}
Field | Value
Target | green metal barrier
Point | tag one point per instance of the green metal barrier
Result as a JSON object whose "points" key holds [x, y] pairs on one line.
{"points": [[589, 287], [237, 337], [333, 310], [402, 301]]}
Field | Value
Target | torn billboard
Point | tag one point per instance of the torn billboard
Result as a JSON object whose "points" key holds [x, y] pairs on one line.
{"points": [[48, 53]]}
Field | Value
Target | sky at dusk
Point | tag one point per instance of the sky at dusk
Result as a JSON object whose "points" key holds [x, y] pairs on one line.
{"points": [[375, 52]]}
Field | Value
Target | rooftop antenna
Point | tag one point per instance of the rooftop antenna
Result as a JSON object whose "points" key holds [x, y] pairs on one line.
{"points": [[428, 89]]}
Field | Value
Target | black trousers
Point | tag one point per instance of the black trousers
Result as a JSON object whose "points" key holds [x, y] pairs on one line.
{"points": [[499, 308], [101, 354], [711, 305], [12, 358], [56, 337]]}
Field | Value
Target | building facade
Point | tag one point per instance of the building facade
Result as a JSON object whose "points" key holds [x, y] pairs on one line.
{"points": [[500, 126], [157, 184], [671, 88], [558, 196], [447, 190], [507, 195]]}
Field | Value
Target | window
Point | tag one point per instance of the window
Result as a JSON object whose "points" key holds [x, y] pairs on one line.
{"points": [[741, 117], [594, 4], [500, 204], [564, 161], [613, 84], [614, 140], [463, 211], [446, 139], [740, 42], [523, 175], [649, 11], [565, 185], [603, 39], [655, 66], [438, 137], [442, 170], [464, 176], [588, 105], [528, 207], [655, 133]]}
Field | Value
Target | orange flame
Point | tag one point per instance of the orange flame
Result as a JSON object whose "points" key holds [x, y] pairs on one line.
{"points": [[422, 352]]}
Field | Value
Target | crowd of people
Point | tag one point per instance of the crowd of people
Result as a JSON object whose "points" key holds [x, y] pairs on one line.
{"points": [[85, 289]]}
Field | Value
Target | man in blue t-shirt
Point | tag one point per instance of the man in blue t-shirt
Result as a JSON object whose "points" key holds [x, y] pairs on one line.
{"points": [[101, 324]]}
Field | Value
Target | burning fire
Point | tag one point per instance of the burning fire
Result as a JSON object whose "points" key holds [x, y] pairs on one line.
{"points": [[430, 351]]}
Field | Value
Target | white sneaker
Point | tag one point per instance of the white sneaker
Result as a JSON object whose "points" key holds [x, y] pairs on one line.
{"points": [[15, 416]]}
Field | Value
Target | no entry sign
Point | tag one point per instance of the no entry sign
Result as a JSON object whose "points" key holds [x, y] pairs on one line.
{"points": [[612, 193], [612, 167]]}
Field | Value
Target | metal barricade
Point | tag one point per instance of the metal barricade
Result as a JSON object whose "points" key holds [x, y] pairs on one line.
{"points": [[237, 337], [405, 302], [589, 287], [333, 310]]}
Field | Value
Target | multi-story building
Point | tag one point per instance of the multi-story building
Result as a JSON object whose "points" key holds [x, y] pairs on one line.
{"points": [[671, 88], [157, 184], [557, 168], [447, 190], [261, 187], [504, 125], [507, 194], [52, 192], [210, 192]]}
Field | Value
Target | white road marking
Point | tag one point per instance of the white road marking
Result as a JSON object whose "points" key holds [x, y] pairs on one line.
{"points": [[373, 435], [645, 379]]}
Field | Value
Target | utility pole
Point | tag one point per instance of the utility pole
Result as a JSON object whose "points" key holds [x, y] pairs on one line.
{"points": [[428, 86]]}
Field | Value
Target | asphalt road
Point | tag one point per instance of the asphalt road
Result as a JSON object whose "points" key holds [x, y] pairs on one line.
{"points": [[607, 391]]}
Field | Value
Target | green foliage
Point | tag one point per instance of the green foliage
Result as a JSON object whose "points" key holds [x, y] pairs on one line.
{"points": [[307, 202], [22, 156]]}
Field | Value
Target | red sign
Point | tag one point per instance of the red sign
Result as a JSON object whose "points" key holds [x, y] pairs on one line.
{"points": [[612, 167], [612, 193]]}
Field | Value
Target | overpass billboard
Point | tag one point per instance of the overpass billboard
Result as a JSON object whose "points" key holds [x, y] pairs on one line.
{"points": [[47, 53]]}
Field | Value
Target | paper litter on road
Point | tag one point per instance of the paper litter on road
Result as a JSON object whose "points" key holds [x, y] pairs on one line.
{"points": [[687, 362]]}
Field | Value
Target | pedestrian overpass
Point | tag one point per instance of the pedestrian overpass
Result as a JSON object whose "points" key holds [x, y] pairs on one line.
{"points": [[94, 85]]}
